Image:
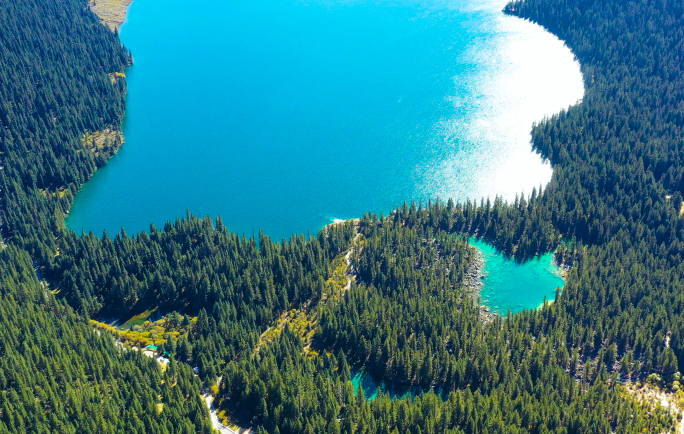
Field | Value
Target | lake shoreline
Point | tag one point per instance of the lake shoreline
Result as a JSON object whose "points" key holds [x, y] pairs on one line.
{"points": [[480, 274], [473, 284]]}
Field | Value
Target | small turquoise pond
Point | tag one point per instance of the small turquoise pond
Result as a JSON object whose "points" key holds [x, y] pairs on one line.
{"points": [[509, 286]]}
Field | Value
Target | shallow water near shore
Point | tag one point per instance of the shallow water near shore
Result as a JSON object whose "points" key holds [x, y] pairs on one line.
{"points": [[284, 115]]}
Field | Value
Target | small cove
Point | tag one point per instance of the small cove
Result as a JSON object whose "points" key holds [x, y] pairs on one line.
{"points": [[371, 387]]}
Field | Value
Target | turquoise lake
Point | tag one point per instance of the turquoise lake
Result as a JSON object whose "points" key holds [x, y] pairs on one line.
{"points": [[508, 286], [285, 115]]}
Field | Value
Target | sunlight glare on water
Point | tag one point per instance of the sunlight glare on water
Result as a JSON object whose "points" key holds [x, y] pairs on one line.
{"points": [[526, 74]]}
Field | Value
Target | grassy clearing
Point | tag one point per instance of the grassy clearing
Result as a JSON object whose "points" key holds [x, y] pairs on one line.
{"points": [[106, 142], [139, 332], [298, 320], [112, 13], [339, 278]]}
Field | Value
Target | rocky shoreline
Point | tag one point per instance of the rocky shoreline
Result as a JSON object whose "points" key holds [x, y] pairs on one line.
{"points": [[473, 283]]}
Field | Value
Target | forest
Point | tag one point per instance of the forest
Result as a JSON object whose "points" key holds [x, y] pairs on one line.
{"points": [[285, 324]]}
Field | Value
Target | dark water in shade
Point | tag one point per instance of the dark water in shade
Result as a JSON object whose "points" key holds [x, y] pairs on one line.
{"points": [[371, 387]]}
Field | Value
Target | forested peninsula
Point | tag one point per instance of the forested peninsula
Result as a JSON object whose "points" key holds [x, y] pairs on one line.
{"points": [[284, 324]]}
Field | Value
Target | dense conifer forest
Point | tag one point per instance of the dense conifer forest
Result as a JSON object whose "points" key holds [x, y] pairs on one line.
{"points": [[58, 375], [58, 82], [285, 323]]}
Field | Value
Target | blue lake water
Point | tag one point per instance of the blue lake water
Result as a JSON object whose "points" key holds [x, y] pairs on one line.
{"points": [[286, 114]]}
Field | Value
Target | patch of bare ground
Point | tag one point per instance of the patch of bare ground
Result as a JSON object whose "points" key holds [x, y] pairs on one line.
{"points": [[112, 13], [657, 399]]}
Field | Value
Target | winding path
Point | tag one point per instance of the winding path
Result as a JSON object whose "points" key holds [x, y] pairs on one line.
{"points": [[347, 257], [214, 417]]}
